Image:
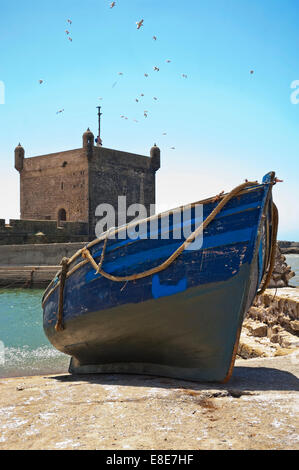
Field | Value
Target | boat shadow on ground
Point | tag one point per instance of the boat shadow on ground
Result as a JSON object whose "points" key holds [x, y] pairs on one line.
{"points": [[243, 379]]}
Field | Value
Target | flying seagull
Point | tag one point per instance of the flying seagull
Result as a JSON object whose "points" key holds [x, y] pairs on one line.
{"points": [[69, 21], [139, 24], [112, 5], [156, 68]]}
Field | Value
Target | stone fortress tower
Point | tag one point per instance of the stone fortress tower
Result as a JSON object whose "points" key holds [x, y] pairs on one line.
{"points": [[68, 186]]}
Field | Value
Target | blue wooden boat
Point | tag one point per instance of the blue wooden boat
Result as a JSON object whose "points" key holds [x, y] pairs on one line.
{"points": [[160, 305]]}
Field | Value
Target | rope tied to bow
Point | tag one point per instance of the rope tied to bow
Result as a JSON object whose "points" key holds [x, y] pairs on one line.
{"points": [[59, 324]]}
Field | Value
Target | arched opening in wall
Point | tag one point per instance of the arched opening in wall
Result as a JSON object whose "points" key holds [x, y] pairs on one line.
{"points": [[61, 216]]}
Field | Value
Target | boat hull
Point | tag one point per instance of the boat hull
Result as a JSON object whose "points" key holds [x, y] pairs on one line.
{"points": [[182, 322], [181, 336]]}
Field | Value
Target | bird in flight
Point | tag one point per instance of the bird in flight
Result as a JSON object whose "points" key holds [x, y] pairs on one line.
{"points": [[155, 98], [70, 39], [168, 61], [251, 71], [155, 38], [156, 68], [60, 111], [69, 21], [172, 148], [146, 74], [137, 100], [145, 113], [142, 94], [120, 73], [139, 24], [112, 4], [184, 75], [40, 82], [67, 32], [164, 133]]}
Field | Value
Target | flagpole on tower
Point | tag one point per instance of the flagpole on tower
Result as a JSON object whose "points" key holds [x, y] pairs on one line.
{"points": [[98, 139]]}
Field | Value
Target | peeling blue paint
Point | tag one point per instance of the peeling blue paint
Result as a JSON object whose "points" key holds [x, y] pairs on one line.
{"points": [[163, 290]]}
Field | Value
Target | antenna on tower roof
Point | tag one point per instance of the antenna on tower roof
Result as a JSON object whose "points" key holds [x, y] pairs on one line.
{"points": [[98, 140]]}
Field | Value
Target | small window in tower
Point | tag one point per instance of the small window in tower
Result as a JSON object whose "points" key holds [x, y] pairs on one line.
{"points": [[61, 185], [64, 164], [61, 216]]}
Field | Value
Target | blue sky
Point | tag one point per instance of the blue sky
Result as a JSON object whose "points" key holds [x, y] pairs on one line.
{"points": [[225, 123]]}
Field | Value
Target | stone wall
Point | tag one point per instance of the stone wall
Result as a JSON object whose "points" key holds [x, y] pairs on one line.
{"points": [[41, 231], [289, 247], [112, 174], [52, 182], [70, 185], [37, 255], [271, 326], [282, 273]]}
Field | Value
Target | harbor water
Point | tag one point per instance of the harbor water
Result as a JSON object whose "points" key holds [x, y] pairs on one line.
{"points": [[24, 348], [293, 261]]}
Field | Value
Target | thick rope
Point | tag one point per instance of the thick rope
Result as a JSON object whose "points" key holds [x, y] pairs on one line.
{"points": [[103, 252], [87, 255], [59, 324], [272, 250]]}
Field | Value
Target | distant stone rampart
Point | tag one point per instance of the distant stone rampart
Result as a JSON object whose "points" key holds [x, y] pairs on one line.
{"points": [[288, 248], [20, 232]]}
